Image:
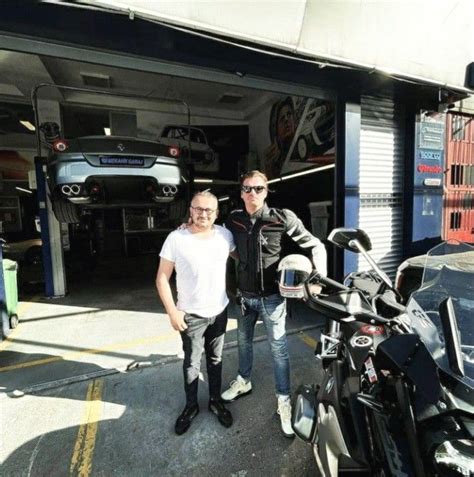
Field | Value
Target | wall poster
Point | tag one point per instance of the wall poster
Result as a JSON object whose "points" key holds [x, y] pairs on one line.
{"points": [[301, 133]]}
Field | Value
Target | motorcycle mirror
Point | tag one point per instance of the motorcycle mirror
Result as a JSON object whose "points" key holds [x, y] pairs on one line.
{"points": [[356, 240], [346, 238]]}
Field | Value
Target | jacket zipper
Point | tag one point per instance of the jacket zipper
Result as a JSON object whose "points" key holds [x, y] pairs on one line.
{"points": [[261, 239]]}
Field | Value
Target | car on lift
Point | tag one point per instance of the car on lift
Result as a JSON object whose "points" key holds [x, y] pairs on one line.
{"points": [[111, 171], [189, 138]]}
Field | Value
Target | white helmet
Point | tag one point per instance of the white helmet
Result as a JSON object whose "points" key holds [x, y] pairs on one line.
{"points": [[293, 271]]}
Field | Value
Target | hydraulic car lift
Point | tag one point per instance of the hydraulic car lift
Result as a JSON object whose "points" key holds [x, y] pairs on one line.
{"points": [[53, 258]]}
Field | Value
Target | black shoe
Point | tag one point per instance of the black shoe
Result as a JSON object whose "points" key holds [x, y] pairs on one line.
{"points": [[223, 414], [185, 418]]}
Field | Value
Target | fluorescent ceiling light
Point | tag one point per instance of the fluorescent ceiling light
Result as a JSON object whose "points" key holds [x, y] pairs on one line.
{"points": [[302, 173], [224, 198], [28, 125], [107, 131], [203, 181], [24, 190]]}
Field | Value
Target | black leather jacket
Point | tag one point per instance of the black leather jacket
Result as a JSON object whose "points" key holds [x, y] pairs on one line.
{"points": [[259, 246]]}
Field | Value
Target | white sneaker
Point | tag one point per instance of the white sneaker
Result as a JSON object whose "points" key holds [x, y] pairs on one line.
{"points": [[284, 410], [238, 388]]}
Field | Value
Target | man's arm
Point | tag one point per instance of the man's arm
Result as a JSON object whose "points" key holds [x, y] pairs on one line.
{"points": [[227, 225], [164, 290], [307, 241]]}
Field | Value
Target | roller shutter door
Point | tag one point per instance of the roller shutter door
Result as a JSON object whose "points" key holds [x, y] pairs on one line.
{"points": [[381, 180]]}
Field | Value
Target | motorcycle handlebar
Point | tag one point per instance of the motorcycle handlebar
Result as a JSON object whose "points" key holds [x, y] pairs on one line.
{"points": [[328, 282]]}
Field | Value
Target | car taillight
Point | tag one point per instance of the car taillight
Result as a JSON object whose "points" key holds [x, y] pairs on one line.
{"points": [[173, 151], [60, 145]]}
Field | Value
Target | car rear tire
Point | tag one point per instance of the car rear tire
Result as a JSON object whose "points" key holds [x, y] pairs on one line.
{"points": [[65, 212], [177, 210]]}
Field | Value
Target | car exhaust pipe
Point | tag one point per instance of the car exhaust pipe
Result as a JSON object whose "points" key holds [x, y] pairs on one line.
{"points": [[167, 193], [66, 190], [169, 190], [75, 189]]}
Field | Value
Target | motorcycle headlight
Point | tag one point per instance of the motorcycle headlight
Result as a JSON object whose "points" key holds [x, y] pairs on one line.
{"points": [[455, 458]]}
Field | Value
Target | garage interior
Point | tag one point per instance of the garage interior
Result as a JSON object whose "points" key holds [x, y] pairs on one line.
{"points": [[238, 124], [111, 321]]}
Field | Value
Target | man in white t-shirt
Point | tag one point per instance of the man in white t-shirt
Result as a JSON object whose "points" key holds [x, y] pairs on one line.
{"points": [[199, 255]]}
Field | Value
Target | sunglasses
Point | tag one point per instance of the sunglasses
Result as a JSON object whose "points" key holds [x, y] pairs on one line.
{"points": [[257, 189]]}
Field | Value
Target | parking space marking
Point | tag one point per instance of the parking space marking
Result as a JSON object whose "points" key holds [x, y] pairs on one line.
{"points": [[76, 354], [9, 340], [81, 461], [311, 342]]}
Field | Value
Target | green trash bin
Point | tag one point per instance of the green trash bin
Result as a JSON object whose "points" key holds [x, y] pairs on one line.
{"points": [[10, 269]]}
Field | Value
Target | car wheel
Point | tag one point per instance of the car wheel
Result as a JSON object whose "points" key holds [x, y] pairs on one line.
{"points": [[65, 212], [34, 255], [302, 148]]}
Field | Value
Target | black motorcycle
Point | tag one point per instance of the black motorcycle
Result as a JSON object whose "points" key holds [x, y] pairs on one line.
{"points": [[397, 395]]}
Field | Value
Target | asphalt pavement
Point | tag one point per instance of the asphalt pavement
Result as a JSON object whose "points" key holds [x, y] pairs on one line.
{"points": [[91, 384]]}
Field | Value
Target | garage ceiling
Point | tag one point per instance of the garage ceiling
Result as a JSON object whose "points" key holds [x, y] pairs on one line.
{"points": [[20, 72]]}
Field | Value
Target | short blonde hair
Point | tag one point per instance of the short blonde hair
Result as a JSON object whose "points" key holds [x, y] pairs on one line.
{"points": [[254, 173]]}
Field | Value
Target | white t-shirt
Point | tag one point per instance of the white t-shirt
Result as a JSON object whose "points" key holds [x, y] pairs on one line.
{"points": [[200, 265]]}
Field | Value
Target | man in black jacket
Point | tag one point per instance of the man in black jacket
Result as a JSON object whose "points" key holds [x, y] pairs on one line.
{"points": [[258, 231]]}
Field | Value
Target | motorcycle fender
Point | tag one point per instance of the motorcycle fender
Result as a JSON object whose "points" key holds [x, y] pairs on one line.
{"points": [[304, 417]]}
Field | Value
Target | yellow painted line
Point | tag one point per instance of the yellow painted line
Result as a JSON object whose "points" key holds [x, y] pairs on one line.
{"points": [[76, 354], [307, 339], [81, 461], [9, 340]]}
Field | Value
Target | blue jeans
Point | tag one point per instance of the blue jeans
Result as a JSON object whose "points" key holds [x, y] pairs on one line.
{"points": [[272, 311]]}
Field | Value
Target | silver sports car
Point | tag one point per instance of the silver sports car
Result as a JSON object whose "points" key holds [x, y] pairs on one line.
{"points": [[108, 171]]}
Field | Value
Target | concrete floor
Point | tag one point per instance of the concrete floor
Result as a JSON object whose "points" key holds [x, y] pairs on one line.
{"points": [[79, 410]]}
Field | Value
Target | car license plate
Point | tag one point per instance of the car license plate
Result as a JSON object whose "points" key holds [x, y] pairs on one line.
{"points": [[122, 161]]}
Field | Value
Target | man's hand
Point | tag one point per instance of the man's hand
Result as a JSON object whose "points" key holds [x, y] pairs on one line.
{"points": [[185, 225], [315, 289], [177, 321]]}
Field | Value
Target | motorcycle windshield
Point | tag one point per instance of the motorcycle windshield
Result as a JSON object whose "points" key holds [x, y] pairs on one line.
{"points": [[448, 273]]}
